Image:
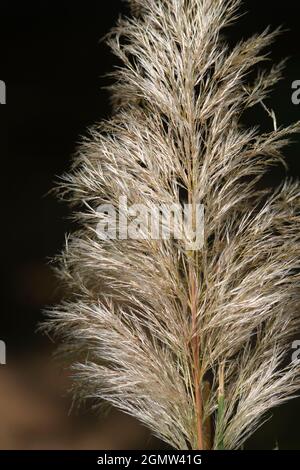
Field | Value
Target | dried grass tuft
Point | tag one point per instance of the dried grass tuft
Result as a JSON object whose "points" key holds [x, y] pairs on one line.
{"points": [[190, 343]]}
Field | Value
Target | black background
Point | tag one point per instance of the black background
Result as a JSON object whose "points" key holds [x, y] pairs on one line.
{"points": [[53, 64]]}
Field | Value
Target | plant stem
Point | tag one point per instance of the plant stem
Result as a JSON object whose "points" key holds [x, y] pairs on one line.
{"points": [[220, 412], [196, 360]]}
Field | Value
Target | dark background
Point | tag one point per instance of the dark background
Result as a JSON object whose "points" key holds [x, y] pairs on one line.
{"points": [[53, 64]]}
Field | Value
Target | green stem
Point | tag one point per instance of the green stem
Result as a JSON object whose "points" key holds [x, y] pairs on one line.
{"points": [[219, 426]]}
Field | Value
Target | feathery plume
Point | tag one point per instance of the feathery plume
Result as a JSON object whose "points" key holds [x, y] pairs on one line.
{"points": [[192, 342]]}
